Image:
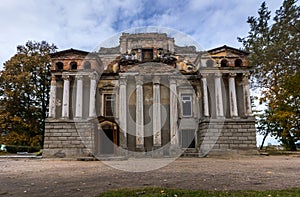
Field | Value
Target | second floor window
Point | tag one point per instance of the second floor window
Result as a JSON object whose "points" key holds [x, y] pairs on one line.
{"points": [[109, 104], [186, 105]]}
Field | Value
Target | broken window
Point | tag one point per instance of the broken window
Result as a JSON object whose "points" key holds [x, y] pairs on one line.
{"points": [[73, 66], [238, 63], [59, 66], [224, 63]]}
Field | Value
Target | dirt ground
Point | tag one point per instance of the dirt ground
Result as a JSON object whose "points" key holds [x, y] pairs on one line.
{"points": [[50, 177]]}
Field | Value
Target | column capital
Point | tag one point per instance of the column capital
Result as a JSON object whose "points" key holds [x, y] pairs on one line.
{"points": [[218, 74], [79, 77], [172, 80], [204, 75], [123, 80], [139, 79], [232, 75], [156, 80], [246, 75], [53, 77], [93, 76], [66, 77]]}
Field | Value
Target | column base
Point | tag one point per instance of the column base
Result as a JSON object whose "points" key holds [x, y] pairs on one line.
{"points": [[140, 148], [91, 117], [78, 119], [221, 117], [235, 117], [65, 118]]}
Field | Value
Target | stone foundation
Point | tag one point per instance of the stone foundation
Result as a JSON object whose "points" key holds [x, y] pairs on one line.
{"points": [[69, 138], [228, 135], [215, 137]]}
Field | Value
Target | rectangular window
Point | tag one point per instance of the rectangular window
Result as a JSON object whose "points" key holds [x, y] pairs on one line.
{"points": [[187, 138], [186, 105], [147, 55], [109, 105]]}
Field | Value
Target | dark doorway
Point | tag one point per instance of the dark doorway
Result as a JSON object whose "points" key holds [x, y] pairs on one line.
{"points": [[107, 141], [187, 138], [147, 55]]}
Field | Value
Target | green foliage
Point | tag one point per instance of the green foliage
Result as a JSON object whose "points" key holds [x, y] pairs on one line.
{"points": [[275, 53], [160, 192], [24, 94]]}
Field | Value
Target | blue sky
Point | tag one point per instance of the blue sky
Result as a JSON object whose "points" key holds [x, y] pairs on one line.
{"points": [[85, 24]]}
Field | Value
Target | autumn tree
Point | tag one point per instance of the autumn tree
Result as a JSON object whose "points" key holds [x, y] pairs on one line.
{"points": [[24, 94], [275, 53]]}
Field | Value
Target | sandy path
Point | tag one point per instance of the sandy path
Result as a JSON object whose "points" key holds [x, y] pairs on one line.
{"points": [[44, 177]]}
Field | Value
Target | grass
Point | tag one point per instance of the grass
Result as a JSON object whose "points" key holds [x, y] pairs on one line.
{"points": [[4, 153], [163, 192]]}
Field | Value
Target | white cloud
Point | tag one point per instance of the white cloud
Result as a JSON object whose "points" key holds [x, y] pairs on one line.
{"points": [[85, 24]]}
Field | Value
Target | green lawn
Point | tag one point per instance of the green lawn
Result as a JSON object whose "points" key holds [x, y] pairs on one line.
{"points": [[179, 193]]}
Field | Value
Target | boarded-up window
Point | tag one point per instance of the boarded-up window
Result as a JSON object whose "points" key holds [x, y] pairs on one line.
{"points": [[109, 102], [186, 105]]}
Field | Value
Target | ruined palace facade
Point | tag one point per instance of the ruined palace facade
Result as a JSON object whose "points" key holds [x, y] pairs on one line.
{"points": [[148, 96]]}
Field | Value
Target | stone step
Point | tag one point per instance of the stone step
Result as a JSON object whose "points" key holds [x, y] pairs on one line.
{"points": [[87, 159], [103, 158], [189, 155]]}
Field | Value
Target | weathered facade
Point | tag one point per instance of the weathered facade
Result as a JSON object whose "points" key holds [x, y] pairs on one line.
{"points": [[148, 96]]}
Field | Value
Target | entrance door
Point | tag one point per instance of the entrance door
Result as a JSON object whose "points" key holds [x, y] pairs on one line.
{"points": [[187, 138], [107, 141]]}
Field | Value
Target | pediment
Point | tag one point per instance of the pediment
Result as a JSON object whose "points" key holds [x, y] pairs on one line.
{"points": [[70, 53], [226, 51]]}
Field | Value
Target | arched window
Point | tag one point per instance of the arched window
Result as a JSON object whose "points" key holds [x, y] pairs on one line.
{"points": [[238, 63], [73, 65], [87, 65], [59, 66], [224, 63], [209, 63]]}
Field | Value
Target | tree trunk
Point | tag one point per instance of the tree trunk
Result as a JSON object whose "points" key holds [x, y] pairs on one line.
{"points": [[263, 141], [292, 145], [289, 143]]}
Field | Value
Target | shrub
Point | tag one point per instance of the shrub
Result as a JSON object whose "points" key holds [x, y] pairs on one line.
{"points": [[15, 149]]}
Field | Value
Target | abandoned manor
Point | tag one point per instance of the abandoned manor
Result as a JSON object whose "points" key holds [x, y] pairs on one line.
{"points": [[149, 97]]}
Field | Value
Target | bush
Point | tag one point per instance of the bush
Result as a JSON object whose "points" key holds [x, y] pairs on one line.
{"points": [[15, 149]]}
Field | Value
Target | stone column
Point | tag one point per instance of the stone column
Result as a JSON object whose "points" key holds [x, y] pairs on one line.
{"points": [[218, 94], [123, 110], [156, 112], [52, 101], [205, 95], [66, 96], [79, 96], [246, 92], [173, 112], [139, 112], [93, 86], [232, 95]]}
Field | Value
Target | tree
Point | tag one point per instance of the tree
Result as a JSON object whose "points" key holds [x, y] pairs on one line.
{"points": [[275, 53], [24, 94]]}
